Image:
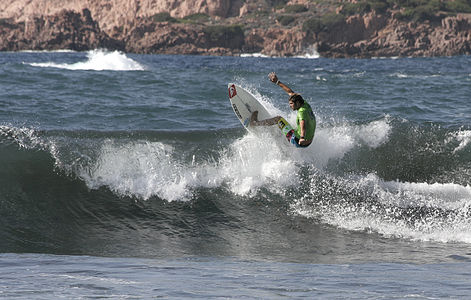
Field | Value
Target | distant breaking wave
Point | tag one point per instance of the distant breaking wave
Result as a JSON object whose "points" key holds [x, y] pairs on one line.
{"points": [[48, 51], [310, 53], [98, 60]]}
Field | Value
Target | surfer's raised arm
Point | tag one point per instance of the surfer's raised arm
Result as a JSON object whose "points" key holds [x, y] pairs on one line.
{"points": [[273, 78]]}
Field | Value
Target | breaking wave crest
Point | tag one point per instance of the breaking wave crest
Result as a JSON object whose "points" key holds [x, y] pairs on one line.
{"points": [[360, 177], [98, 60]]}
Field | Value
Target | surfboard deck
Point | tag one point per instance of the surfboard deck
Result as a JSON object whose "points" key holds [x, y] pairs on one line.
{"points": [[244, 104]]}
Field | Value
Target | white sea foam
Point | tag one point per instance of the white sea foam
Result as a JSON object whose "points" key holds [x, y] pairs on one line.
{"points": [[255, 161], [400, 75], [334, 142], [253, 55], [417, 76], [139, 169], [144, 169], [384, 57], [48, 51], [99, 60], [447, 196], [311, 53], [25, 137], [462, 136], [428, 202]]}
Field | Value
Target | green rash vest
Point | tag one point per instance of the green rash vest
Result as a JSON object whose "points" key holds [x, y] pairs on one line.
{"points": [[305, 113]]}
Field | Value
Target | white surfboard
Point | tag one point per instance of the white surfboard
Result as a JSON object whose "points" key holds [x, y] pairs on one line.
{"points": [[244, 104]]}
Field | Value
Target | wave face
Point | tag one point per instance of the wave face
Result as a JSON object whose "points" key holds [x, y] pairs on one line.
{"points": [[365, 185], [166, 173]]}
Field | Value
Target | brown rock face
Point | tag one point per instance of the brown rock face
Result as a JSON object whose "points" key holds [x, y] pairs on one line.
{"points": [[151, 37], [376, 36], [277, 42], [117, 13], [65, 30], [129, 25], [154, 37]]}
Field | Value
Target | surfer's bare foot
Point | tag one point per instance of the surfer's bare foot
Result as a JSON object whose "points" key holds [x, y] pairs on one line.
{"points": [[253, 118]]}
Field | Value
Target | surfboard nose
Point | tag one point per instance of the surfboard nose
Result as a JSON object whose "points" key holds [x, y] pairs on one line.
{"points": [[232, 90]]}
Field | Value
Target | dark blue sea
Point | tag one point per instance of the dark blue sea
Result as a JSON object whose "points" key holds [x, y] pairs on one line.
{"points": [[129, 176]]}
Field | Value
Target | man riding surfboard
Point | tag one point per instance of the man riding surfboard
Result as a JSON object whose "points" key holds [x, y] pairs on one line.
{"points": [[305, 118]]}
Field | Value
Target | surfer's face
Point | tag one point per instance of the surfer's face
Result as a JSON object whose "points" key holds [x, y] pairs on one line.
{"points": [[291, 104], [294, 105]]}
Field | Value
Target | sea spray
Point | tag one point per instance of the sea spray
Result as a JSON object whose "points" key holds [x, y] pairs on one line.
{"points": [[99, 60], [417, 211]]}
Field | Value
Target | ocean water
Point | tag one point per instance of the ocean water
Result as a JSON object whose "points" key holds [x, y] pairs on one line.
{"points": [[129, 176]]}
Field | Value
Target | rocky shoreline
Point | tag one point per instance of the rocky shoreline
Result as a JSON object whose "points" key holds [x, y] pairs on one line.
{"points": [[232, 30]]}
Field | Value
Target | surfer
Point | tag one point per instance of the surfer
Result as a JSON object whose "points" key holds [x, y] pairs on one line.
{"points": [[305, 119]]}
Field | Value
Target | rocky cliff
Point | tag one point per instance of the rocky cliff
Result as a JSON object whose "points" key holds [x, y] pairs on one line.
{"points": [[64, 30], [227, 27], [375, 35]]}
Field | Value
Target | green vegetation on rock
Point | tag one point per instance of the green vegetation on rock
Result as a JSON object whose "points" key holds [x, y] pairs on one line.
{"points": [[325, 23], [409, 10], [224, 35], [193, 19], [295, 8], [163, 17], [285, 20], [196, 18]]}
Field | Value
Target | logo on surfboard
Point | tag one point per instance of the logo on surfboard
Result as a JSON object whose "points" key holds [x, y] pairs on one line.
{"points": [[281, 124], [236, 111], [232, 91]]}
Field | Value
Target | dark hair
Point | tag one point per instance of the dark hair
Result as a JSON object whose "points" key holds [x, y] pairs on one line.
{"points": [[296, 98]]}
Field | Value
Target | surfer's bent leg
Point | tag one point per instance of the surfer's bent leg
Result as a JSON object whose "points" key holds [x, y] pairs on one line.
{"points": [[266, 122]]}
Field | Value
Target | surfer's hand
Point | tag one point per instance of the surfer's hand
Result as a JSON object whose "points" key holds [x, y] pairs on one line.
{"points": [[273, 78]]}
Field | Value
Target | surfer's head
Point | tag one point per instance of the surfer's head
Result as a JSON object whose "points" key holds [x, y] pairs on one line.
{"points": [[295, 101]]}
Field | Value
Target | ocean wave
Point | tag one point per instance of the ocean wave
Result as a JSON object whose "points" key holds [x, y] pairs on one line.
{"points": [[253, 55], [98, 60], [48, 51], [146, 167], [416, 76], [417, 211], [310, 53], [157, 167], [313, 181]]}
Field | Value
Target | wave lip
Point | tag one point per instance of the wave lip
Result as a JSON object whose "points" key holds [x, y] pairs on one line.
{"points": [[99, 60]]}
